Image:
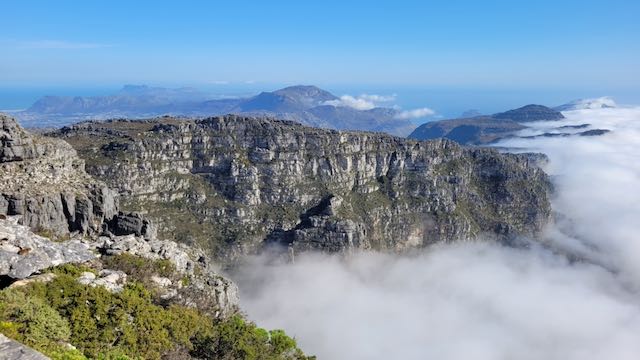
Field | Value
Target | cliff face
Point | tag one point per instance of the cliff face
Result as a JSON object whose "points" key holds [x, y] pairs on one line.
{"points": [[235, 184], [44, 188], [43, 181]]}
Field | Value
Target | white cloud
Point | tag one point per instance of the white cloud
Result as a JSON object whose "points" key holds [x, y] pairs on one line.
{"points": [[362, 102], [598, 182], [415, 113], [352, 102], [378, 98], [463, 301], [596, 103], [479, 300]]}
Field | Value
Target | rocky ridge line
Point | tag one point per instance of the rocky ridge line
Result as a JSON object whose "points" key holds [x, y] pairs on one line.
{"points": [[236, 184]]}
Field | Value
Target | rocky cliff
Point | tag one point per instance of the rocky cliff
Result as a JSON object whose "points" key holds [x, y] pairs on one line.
{"points": [[45, 189], [97, 282], [235, 184], [43, 181]]}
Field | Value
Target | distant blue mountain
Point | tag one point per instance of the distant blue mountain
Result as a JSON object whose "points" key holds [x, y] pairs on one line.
{"points": [[485, 129], [305, 104]]}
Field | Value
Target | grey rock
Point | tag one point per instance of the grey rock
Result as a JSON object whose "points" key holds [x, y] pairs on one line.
{"points": [[23, 253], [45, 183], [206, 288], [15, 143], [132, 223], [86, 278], [13, 350], [112, 280], [161, 281]]}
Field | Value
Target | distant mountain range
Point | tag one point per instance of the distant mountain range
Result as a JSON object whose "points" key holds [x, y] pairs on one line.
{"points": [[308, 105], [487, 129]]}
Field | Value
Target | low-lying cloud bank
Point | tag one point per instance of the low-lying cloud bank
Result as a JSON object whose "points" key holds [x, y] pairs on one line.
{"points": [[478, 300], [371, 101]]}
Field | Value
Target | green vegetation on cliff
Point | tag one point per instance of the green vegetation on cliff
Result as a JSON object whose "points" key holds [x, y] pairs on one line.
{"points": [[67, 320]]}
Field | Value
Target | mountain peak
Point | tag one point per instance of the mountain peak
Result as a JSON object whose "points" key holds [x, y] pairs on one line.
{"points": [[531, 112], [306, 93]]}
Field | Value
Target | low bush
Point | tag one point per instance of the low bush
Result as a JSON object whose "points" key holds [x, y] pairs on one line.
{"points": [[127, 325]]}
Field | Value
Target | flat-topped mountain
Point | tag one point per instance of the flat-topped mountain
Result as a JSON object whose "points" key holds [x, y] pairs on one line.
{"points": [[236, 184], [308, 105], [485, 129]]}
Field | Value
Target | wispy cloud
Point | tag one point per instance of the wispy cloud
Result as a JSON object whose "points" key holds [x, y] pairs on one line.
{"points": [[352, 102], [378, 98], [415, 113], [58, 44], [362, 102]]}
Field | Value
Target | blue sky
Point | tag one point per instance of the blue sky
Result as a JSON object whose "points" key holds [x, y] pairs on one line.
{"points": [[542, 50]]}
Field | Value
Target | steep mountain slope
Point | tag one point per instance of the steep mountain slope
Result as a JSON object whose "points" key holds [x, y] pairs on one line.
{"points": [[236, 184], [485, 129]]}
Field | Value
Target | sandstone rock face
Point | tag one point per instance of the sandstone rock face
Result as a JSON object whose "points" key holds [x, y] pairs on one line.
{"points": [[235, 184], [45, 189], [16, 143], [43, 181], [23, 253]]}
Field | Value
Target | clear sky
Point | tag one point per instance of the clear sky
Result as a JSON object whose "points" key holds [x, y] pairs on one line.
{"points": [[449, 43]]}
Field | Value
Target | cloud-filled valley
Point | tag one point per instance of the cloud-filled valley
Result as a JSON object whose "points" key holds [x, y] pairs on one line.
{"points": [[477, 299]]}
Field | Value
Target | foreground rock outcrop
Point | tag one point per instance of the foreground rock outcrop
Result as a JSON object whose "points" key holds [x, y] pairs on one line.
{"points": [[46, 194], [13, 350], [235, 184], [24, 255], [43, 181], [79, 277]]}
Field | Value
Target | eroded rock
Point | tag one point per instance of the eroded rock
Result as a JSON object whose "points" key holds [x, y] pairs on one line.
{"points": [[23, 253]]}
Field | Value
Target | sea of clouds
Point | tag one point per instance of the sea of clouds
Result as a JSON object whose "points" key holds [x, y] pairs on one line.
{"points": [[478, 300]]}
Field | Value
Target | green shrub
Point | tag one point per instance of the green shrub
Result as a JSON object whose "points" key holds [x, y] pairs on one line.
{"points": [[31, 321], [37, 322], [236, 338], [127, 325], [139, 267], [74, 270]]}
